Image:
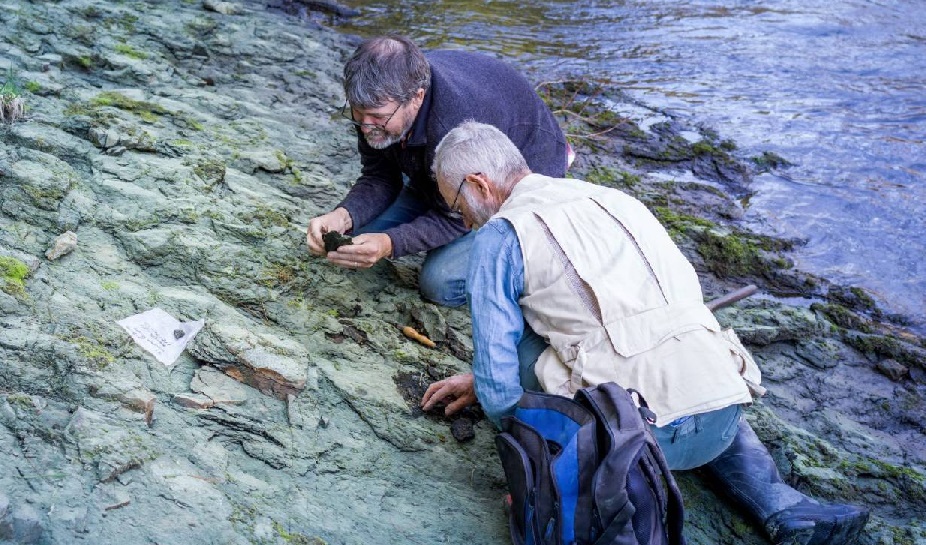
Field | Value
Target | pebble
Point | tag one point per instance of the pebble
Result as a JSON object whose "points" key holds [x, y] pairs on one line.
{"points": [[63, 245]]}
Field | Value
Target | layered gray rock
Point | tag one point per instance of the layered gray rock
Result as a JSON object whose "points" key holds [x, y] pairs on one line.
{"points": [[186, 146]]}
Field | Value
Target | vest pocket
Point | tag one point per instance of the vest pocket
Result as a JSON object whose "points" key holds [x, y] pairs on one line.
{"points": [[633, 335]]}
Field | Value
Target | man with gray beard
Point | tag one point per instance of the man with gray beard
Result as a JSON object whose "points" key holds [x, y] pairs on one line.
{"points": [[402, 102]]}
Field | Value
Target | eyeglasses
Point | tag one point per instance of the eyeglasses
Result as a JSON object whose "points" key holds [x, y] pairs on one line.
{"points": [[454, 213], [348, 113]]}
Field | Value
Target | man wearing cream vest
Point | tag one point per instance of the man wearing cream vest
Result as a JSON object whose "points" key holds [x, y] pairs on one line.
{"points": [[608, 297]]}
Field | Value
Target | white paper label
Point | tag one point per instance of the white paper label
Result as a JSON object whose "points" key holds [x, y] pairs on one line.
{"points": [[161, 334]]}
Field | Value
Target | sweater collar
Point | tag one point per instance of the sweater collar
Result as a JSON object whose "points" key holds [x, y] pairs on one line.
{"points": [[418, 134]]}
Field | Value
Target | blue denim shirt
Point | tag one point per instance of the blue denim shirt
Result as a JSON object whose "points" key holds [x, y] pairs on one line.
{"points": [[493, 288]]}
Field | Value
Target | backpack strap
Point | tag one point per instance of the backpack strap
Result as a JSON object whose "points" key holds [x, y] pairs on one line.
{"points": [[526, 460], [675, 514], [571, 430], [627, 443]]}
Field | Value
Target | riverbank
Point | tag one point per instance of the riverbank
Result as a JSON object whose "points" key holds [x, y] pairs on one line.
{"points": [[187, 145], [833, 87]]}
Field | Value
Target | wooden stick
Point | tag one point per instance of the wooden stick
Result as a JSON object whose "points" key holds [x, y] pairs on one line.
{"points": [[412, 333], [732, 297]]}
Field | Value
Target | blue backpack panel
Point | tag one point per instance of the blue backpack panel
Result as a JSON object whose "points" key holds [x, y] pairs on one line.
{"points": [[587, 471]]}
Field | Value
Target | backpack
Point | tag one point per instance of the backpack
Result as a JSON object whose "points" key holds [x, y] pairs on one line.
{"points": [[587, 471]]}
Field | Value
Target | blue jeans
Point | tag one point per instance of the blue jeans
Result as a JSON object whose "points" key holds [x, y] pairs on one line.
{"points": [[687, 443], [443, 274], [530, 347], [695, 440]]}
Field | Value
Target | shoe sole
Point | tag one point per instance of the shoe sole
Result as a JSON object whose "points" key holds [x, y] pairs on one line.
{"points": [[833, 530], [844, 530], [798, 536]]}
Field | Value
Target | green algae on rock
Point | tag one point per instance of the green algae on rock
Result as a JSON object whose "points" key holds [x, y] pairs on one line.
{"points": [[13, 272]]}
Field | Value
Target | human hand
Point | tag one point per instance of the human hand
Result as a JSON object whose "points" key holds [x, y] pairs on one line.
{"points": [[337, 220], [364, 251], [459, 390]]}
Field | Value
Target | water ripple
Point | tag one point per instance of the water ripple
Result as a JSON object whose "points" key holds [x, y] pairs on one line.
{"points": [[837, 87]]}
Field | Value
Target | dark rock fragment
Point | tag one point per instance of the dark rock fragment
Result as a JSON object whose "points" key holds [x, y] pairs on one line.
{"points": [[334, 240], [462, 429]]}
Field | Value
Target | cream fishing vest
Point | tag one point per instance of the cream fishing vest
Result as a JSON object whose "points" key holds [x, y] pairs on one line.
{"points": [[618, 301]]}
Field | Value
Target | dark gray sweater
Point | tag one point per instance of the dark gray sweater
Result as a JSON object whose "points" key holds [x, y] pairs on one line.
{"points": [[464, 86]]}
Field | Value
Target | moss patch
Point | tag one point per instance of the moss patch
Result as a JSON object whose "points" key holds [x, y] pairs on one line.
{"points": [[296, 538], [704, 147], [94, 352], [885, 346], [211, 171], [842, 317], [99, 109], [13, 273], [854, 298], [20, 400], [678, 224], [148, 111], [741, 254], [769, 161], [130, 51], [612, 177], [730, 256]]}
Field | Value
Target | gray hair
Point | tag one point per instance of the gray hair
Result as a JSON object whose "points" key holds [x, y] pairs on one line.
{"points": [[385, 68], [476, 147]]}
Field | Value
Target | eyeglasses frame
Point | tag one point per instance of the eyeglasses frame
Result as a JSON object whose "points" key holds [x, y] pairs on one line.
{"points": [[350, 117], [454, 213]]}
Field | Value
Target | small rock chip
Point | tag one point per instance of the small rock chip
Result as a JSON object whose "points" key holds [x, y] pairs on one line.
{"points": [[104, 138], [64, 244], [179, 333], [462, 429], [225, 8], [141, 401], [892, 369], [193, 401]]}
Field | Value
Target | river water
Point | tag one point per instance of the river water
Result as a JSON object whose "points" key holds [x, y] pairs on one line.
{"points": [[837, 87]]}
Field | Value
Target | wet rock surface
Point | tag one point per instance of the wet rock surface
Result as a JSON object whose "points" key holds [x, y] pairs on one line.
{"points": [[186, 145]]}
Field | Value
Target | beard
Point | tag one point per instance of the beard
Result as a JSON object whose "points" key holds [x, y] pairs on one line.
{"points": [[380, 139]]}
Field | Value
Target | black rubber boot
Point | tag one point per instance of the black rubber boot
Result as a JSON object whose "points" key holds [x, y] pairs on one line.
{"points": [[747, 472]]}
